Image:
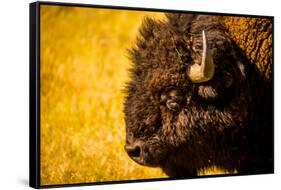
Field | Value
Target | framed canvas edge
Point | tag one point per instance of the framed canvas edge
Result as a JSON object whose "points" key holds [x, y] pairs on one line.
{"points": [[34, 95], [34, 92]]}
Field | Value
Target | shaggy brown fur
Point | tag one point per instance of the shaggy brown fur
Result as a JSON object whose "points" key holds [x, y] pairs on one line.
{"points": [[254, 36], [182, 126]]}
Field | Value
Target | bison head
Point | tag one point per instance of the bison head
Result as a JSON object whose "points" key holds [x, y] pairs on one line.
{"points": [[187, 94]]}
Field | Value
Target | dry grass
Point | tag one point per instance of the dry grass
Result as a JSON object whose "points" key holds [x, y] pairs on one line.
{"points": [[83, 70], [84, 67]]}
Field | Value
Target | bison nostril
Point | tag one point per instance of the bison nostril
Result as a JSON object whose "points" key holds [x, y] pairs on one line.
{"points": [[133, 151]]}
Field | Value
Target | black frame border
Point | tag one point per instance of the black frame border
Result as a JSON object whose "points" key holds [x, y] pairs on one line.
{"points": [[34, 95], [34, 91]]}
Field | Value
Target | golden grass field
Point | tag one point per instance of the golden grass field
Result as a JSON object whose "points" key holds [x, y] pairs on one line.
{"points": [[84, 65]]}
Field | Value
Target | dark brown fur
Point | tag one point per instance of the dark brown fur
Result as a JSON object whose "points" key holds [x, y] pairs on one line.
{"points": [[181, 126]]}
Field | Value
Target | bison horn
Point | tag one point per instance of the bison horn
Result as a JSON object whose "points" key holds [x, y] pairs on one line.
{"points": [[205, 71]]}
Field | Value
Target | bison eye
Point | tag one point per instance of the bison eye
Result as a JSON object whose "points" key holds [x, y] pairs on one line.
{"points": [[172, 99]]}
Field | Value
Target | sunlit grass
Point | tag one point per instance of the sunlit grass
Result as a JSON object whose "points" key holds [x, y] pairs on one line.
{"points": [[84, 66], [214, 170], [83, 70]]}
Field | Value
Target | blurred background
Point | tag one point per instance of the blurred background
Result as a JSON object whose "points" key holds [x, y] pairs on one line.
{"points": [[84, 66]]}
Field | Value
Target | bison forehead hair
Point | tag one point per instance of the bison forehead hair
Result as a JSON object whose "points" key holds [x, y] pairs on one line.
{"points": [[188, 98]]}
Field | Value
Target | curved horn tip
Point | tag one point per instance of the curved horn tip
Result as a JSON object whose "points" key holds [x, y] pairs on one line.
{"points": [[205, 71]]}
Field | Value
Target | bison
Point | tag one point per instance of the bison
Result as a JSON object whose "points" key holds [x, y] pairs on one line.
{"points": [[195, 100]]}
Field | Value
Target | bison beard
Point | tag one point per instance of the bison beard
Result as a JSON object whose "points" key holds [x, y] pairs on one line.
{"points": [[194, 100]]}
